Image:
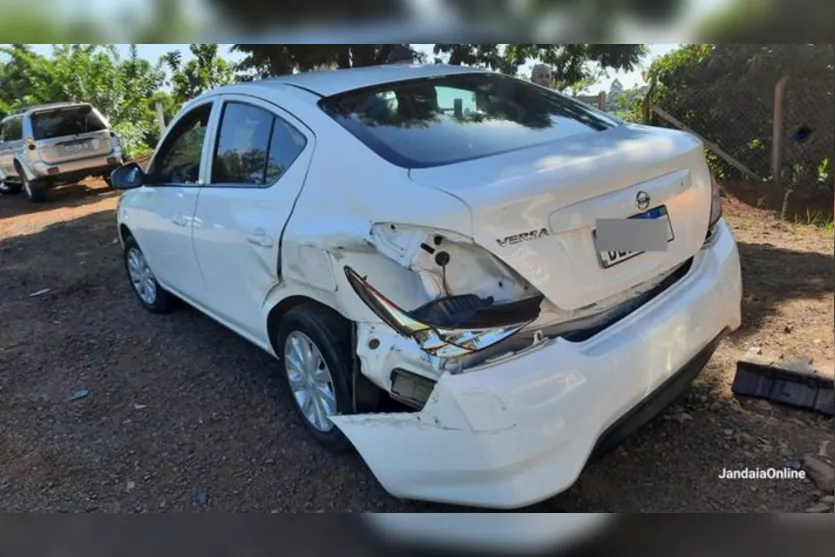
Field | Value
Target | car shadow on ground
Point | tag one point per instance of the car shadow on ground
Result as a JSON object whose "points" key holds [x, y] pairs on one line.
{"points": [[773, 275], [70, 195]]}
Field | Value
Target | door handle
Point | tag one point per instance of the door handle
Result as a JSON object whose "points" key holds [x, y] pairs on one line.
{"points": [[179, 220], [259, 238]]}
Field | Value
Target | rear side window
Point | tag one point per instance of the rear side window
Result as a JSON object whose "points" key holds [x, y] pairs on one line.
{"points": [[437, 121], [254, 147], [67, 121], [12, 130]]}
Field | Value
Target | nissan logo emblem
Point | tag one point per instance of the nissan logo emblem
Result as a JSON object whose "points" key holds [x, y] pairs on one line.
{"points": [[642, 200]]}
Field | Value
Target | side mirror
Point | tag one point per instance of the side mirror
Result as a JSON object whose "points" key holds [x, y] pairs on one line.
{"points": [[127, 177]]}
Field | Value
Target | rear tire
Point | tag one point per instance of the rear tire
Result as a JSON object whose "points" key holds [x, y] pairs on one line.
{"points": [[9, 188], [33, 189], [326, 337]]}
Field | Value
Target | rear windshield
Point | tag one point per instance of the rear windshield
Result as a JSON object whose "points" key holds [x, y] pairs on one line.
{"points": [[68, 121], [437, 121]]}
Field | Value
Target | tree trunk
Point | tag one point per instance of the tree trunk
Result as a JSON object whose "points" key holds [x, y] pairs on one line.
{"points": [[383, 53], [362, 55], [343, 59]]}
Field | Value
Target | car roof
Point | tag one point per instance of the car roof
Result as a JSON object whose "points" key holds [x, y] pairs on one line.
{"points": [[51, 106], [39, 107], [332, 82]]}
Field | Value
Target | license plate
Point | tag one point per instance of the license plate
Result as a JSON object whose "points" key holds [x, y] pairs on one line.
{"points": [[611, 258], [77, 148]]}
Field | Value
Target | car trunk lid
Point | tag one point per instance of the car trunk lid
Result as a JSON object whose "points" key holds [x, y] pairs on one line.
{"points": [[537, 208]]}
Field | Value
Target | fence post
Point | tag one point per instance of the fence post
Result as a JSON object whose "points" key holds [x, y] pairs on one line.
{"points": [[646, 108], [778, 134], [160, 118]]}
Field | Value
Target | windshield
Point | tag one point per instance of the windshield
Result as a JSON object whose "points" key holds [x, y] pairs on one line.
{"points": [[437, 121], [68, 121]]}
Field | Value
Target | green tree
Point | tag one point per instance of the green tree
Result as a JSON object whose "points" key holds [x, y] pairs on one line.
{"points": [[205, 71], [120, 88], [264, 60], [15, 81], [571, 63]]}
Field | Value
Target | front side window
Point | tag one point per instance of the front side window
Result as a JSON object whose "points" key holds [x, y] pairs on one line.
{"points": [[178, 160], [66, 121], [254, 147], [444, 120]]}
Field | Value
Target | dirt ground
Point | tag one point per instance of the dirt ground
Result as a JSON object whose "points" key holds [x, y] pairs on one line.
{"points": [[183, 415]]}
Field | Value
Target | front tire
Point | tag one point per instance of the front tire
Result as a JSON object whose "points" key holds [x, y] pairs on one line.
{"points": [[314, 344], [151, 295]]}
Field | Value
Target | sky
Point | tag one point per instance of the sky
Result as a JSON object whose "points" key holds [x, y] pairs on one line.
{"points": [[631, 79]]}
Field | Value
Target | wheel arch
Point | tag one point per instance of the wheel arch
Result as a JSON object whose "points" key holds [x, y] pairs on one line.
{"points": [[22, 169], [125, 234], [279, 310], [365, 395]]}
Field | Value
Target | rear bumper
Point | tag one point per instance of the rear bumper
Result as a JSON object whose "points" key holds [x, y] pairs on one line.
{"points": [[75, 170], [520, 431]]}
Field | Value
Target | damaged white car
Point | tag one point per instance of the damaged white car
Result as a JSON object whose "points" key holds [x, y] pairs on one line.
{"points": [[477, 282]]}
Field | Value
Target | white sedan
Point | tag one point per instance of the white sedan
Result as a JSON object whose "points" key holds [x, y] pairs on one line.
{"points": [[477, 282]]}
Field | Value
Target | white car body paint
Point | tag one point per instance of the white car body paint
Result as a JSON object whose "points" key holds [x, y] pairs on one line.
{"points": [[504, 433], [517, 432]]}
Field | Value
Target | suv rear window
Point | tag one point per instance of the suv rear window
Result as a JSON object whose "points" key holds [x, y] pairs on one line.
{"points": [[67, 121], [449, 119]]}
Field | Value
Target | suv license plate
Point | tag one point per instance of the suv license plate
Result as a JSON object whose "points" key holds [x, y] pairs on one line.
{"points": [[77, 148]]}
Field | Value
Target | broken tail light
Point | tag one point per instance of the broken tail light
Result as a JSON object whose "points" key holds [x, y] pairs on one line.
{"points": [[452, 326]]}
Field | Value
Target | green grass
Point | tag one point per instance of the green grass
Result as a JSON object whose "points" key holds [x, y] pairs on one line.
{"points": [[815, 219]]}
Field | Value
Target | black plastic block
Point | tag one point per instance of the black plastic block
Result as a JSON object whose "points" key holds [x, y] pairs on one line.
{"points": [[792, 382]]}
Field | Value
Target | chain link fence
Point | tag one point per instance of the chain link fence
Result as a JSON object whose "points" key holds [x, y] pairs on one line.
{"points": [[808, 135], [736, 122], [760, 126]]}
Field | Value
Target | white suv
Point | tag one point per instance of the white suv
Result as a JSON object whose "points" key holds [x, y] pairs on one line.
{"points": [[52, 144], [459, 241]]}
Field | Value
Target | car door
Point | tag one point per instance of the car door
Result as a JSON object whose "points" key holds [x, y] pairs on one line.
{"points": [[166, 204], [11, 142], [260, 158]]}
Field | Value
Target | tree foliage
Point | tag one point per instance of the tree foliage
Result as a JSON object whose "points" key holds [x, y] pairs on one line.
{"points": [[571, 63], [205, 71], [125, 89], [119, 88], [265, 60]]}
